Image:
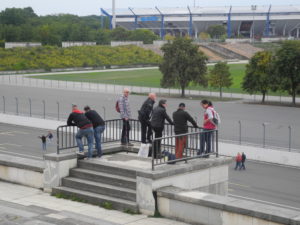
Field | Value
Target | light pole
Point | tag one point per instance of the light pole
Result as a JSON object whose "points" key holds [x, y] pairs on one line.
{"points": [[113, 14], [253, 8]]}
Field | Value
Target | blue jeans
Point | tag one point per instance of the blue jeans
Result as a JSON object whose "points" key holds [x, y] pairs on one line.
{"points": [[44, 146], [205, 142], [97, 134], [88, 133]]}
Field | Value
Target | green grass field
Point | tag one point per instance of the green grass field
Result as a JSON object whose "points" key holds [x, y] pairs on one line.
{"points": [[145, 78]]}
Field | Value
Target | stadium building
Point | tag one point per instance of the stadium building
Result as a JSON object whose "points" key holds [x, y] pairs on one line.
{"points": [[240, 21]]}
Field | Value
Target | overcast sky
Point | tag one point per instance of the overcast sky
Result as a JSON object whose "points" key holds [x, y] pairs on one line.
{"points": [[91, 7]]}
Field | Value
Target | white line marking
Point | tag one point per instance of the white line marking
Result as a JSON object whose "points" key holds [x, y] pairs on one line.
{"points": [[241, 185], [266, 202]]}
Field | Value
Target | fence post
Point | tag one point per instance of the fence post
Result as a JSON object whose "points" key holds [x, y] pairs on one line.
{"points": [[57, 110], [44, 106], [30, 107], [9, 79], [17, 106], [3, 104], [104, 112], [240, 132], [217, 143], [264, 135], [290, 138]]}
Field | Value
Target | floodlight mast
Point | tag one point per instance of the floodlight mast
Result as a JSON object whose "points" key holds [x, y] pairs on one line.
{"points": [[113, 14]]}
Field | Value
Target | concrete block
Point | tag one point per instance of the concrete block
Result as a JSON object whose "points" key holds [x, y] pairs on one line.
{"points": [[214, 217], [164, 206], [144, 196], [218, 174]]}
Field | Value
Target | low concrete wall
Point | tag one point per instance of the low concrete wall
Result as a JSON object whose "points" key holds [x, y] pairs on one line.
{"points": [[22, 44], [207, 209], [23, 171], [121, 43], [261, 154], [194, 175]]}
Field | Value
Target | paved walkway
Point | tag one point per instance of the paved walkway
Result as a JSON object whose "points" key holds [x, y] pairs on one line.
{"points": [[29, 206], [24, 80]]}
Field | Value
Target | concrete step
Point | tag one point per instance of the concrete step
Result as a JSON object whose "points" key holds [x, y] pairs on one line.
{"points": [[99, 188], [109, 169], [96, 199], [105, 178]]}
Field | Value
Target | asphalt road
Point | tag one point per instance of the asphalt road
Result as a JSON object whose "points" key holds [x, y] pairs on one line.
{"points": [[276, 118], [259, 182]]}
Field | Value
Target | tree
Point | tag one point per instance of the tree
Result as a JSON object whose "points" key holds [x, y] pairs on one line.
{"points": [[216, 31], [220, 76], [259, 72], [287, 67], [147, 36], [182, 64]]}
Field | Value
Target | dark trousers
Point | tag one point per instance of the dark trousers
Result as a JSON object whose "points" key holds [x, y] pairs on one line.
{"points": [[237, 165], [205, 142], [146, 132], [242, 165], [156, 144], [125, 132]]}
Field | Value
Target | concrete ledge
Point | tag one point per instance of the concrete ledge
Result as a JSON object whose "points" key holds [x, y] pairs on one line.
{"points": [[223, 207], [61, 157], [22, 163]]}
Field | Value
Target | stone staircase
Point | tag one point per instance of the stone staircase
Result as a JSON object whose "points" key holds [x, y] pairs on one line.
{"points": [[98, 184]]}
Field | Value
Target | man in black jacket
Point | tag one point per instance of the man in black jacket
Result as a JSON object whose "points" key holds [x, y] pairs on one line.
{"points": [[98, 125], [145, 116], [77, 118], [180, 118], [159, 116]]}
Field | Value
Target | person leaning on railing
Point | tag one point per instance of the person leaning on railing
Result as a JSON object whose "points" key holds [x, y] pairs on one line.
{"points": [[159, 116], [77, 118], [180, 118]]}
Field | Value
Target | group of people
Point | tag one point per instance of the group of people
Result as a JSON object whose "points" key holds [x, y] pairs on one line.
{"points": [[152, 119], [240, 160], [91, 126]]}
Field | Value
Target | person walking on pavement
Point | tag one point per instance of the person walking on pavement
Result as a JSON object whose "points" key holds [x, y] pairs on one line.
{"points": [[208, 127], [98, 125], [243, 161], [44, 142], [158, 118], [125, 114], [238, 160], [50, 136], [144, 117], [77, 118], [180, 118]]}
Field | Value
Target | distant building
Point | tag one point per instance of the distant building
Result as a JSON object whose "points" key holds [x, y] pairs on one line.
{"points": [[239, 21], [76, 43], [22, 44]]}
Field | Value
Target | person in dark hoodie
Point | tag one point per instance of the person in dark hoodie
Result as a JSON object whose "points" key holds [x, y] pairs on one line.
{"points": [[77, 118], [180, 118], [144, 117], [98, 125], [159, 116]]}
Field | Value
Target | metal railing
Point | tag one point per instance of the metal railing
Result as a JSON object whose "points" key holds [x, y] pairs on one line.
{"points": [[66, 139], [201, 144]]}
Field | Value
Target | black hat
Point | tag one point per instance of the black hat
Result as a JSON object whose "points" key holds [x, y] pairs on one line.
{"points": [[182, 105], [162, 101]]}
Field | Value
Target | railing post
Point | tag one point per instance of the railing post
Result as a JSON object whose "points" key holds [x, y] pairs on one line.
{"points": [[30, 107], [104, 113], [217, 143], [264, 135], [57, 110], [152, 153], [17, 106], [57, 140], [4, 104], [290, 138], [44, 107], [240, 132]]}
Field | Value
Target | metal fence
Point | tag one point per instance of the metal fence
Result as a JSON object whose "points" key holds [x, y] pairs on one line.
{"points": [[66, 139]]}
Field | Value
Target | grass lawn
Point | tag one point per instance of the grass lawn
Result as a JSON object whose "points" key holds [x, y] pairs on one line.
{"points": [[145, 78]]}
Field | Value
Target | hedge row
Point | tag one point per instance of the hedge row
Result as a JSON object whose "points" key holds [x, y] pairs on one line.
{"points": [[48, 57]]}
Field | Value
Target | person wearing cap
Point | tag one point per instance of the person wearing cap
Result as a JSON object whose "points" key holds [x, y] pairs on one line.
{"points": [[159, 116], [180, 118], [77, 118], [98, 125], [144, 117], [125, 114]]}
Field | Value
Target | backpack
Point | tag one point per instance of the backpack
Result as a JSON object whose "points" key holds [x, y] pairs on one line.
{"points": [[216, 119], [117, 106]]}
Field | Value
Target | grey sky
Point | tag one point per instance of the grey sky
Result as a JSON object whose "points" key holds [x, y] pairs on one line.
{"points": [[89, 7]]}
